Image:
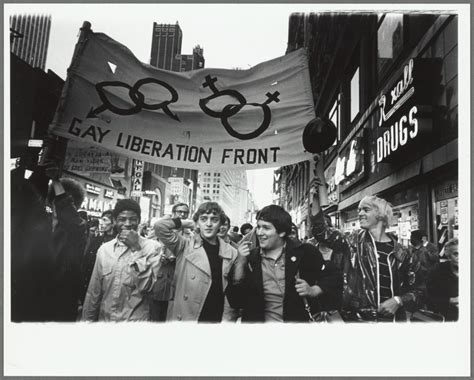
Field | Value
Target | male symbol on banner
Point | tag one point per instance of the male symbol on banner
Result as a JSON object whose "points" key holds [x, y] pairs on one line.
{"points": [[232, 109], [137, 97]]}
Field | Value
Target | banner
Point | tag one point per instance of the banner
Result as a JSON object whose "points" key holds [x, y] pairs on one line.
{"points": [[202, 119]]}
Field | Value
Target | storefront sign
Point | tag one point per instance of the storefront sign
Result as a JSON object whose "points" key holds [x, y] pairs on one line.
{"points": [[87, 159], [350, 167], [406, 110], [137, 178], [447, 190], [108, 193], [92, 189]]}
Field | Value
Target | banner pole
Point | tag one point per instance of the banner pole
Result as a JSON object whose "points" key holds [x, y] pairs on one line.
{"points": [[55, 147], [323, 190]]}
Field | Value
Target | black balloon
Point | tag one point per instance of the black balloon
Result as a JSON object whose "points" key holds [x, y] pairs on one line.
{"points": [[319, 134]]}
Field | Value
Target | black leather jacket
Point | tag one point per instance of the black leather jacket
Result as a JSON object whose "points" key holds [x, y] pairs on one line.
{"points": [[360, 289]]}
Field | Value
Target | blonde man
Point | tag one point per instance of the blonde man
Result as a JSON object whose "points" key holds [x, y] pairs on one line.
{"points": [[383, 280]]}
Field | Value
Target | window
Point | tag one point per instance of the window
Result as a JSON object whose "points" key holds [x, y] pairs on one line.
{"points": [[389, 42], [355, 86]]}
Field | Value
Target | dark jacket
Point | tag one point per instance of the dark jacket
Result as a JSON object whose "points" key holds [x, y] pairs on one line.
{"points": [[442, 285], [361, 289], [248, 294], [46, 259]]}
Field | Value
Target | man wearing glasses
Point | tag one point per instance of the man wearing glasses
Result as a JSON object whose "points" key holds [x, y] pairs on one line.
{"points": [[163, 288], [202, 268]]}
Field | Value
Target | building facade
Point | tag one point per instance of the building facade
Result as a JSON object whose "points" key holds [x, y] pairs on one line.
{"points": [[29, 38], [229, 189], [166, 54], [389, 82]]}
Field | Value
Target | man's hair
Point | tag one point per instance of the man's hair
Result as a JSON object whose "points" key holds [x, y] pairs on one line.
{"points": [[224, 219], [417, 235], [235, 229], [71, 187], [209, 208], [294, 229], [108, 213], [175, 207], [127, 205], [328, 220], [384, 208], [277, 216], [450, 244], [244, 227]]}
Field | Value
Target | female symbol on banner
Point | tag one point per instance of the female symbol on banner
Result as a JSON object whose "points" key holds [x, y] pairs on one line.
{"points": [[232, 109]]}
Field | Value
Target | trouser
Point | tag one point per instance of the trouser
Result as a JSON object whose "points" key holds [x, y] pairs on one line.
{"points": [[158, 310]]}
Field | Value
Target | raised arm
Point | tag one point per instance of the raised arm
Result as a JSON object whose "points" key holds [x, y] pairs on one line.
{"points": [[166, 231]]}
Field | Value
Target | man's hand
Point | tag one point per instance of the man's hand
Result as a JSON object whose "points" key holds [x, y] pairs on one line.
{"points": [[130, 239], [51, 170], [165, 260], [244, 248], [304, 290], [314, 186], [389, 307]]}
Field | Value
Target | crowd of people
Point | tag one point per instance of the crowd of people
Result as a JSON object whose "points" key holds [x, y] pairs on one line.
{"points": [[196, 267]]}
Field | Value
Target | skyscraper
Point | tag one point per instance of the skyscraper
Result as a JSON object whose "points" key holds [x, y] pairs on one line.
{"points": [[29, 38], [166, 54], [166, 50]]}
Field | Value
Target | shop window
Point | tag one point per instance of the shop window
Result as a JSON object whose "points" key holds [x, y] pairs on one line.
{"points": [[355, 92], [389, 41]]}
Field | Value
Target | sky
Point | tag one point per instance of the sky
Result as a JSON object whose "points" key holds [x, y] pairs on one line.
{"points": [[232, 35]]}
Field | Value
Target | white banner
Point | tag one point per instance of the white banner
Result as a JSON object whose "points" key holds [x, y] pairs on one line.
{"points": [[209, 118]]}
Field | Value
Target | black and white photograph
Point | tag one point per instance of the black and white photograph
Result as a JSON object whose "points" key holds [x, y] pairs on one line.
{"points": [[237, 189]]}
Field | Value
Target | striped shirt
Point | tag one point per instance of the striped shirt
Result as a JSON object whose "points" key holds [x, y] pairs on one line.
{"points": [[385, 275]]}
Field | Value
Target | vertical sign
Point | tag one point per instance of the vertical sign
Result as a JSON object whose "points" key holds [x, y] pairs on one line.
{"points": [[137, 178]]}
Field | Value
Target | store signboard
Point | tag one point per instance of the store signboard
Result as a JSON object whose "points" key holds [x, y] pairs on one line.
{"points": [[137, 178], [446, 190], [350, 166], [108, 193], [93, 189], [406, 110]]}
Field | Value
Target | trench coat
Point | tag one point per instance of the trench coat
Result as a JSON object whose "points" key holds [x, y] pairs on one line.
{"points": [[192, 276]]}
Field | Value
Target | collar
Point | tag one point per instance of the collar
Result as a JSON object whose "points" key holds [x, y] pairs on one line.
{"points": [[425, 244], [225, 249], [282, 254], [118, 243]]}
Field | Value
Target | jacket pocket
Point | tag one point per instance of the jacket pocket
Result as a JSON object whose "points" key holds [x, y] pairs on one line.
{"points": [[107, 271]]}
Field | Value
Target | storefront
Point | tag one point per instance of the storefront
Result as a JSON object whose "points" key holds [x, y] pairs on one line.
{"points": [[98, 198], [403, 145]]}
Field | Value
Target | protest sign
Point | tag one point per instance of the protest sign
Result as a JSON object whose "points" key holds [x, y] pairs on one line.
{"points": [[209, 118]]}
